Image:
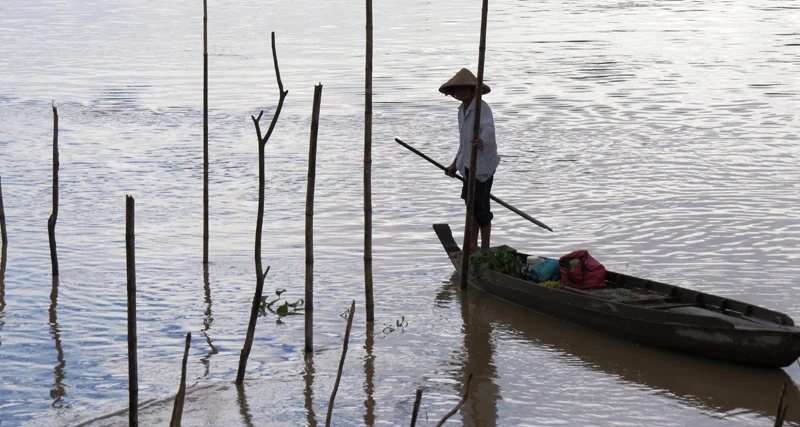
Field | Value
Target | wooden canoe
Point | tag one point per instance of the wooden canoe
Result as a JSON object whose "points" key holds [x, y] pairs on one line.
{"points": [[652, 313]]}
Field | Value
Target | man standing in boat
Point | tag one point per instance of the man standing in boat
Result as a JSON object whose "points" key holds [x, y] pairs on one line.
{"points": [[462, 87]]}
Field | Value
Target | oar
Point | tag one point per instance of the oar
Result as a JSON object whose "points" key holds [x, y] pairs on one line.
{"points": [[460, 178]]}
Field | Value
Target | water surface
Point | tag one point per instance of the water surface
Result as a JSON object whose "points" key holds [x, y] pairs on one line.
{"points": [[660, 136]]}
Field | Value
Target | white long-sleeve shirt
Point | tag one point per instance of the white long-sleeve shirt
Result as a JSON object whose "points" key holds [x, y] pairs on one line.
{"points": [[488, 159]]}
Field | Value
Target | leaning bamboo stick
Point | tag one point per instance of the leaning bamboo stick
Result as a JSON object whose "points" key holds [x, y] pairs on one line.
{"points": [[417, 401], [460, 403], [341, 362], [370, 303], [133, 373], [177, 408], [781, 415], [51, 222], [312, 174]]}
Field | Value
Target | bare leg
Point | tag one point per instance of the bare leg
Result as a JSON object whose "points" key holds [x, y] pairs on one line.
{"points": [[486, 232]]}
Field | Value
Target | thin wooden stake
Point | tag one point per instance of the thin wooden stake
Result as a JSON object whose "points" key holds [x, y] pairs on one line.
{"points": [[3, 233], [2, 251], [341, 362], [251, 330], [460, 403], [51, 222], [205, 132], [476, 132], [312, 176], [133, 373], [177, 408], [370, 303], [781, 415], [260, 275], [417, 401]]}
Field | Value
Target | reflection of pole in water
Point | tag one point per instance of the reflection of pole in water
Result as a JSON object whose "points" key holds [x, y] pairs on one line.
{"points": [[369, 375], [208, 319], [481, 407], [59, 391], [244, 408], [308, 393]]}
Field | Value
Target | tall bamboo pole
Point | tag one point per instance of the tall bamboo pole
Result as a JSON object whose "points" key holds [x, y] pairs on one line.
{"points": [[370, 303], [476, 132], [312, 177], [205, 132], [2, 251], [3, 233], [133, 370], [51, 222]]}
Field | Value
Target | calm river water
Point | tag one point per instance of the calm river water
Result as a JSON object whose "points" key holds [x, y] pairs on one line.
{"points": [[661, 136]]}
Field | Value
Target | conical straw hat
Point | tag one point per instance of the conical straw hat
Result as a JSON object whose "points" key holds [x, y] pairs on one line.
{"points": [[462, 78]]}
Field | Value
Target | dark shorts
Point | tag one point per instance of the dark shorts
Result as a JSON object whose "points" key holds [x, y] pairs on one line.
{"points": [[481, 213]]}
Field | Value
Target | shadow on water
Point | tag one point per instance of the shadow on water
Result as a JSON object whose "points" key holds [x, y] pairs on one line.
{"points": [[719, 386], [59, 391], [208, 319]]}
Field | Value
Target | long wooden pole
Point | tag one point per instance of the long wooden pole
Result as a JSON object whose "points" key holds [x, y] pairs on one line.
{"points": [[476, 132], [3, 234], [312, 178], [133, 371], [2, 251], [370, 303], [205, 132], [459, 177], [51, 222]]}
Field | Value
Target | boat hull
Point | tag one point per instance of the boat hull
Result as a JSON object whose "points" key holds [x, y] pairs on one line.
{"points": [[684, 320]]}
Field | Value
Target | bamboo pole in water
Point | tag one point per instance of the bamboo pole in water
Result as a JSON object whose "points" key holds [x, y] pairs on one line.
{"points": [[51, 222], [312, 174], [2, 251], [133, 372], [476, 132], [177, 408], [370, 303], [262, 142], [205, 132], [341, 362], [3, 233], [417, 401]]}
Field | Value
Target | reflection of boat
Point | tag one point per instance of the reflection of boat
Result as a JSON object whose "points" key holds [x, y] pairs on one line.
{"points": [[652, 313], [725, 388]]}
